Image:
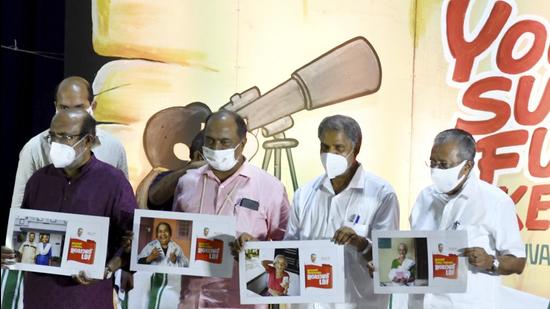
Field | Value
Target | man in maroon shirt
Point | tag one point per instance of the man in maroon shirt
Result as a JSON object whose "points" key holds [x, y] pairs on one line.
{"points": [[77, 183]]}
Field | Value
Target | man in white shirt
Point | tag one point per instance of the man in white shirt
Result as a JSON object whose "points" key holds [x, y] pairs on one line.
{"points": [[459, 200], [28, 249], [72, 93], [345, 205]]}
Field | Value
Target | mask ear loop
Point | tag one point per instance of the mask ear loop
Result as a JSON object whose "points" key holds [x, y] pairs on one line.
{"points": [[235, 149], [80, 140], [466, 176]]}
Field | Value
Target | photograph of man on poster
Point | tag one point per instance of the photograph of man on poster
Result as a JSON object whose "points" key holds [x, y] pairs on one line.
{"points": [[40, 241]]}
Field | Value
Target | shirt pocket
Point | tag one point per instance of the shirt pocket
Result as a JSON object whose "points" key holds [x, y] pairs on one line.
{"points": [[250, 221], [360, 229]]}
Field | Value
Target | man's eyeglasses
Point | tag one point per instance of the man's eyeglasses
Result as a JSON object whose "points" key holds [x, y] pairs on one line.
{"points": [[62, 138], [440, 165]]}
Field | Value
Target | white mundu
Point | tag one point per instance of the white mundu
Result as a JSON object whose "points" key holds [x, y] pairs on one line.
{"points": [[488, 214], [367, 203]]}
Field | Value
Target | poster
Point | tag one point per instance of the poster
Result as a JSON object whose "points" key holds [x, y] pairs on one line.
{"points": [[183, 243], [420, 262], [291, 272], [58, 243]]}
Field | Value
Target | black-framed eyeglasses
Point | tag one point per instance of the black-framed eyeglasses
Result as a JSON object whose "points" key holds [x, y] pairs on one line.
{"points": [[63, 138]]}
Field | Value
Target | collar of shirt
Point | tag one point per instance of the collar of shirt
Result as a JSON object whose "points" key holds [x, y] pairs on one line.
{"points": [[84, 169], [356, 182]]}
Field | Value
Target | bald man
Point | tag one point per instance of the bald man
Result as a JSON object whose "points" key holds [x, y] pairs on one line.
{"points": [[73, 93], [229, 186], [76, 182]]}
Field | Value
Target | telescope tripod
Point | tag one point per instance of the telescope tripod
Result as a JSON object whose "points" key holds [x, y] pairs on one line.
{"points": [[278, 143]]}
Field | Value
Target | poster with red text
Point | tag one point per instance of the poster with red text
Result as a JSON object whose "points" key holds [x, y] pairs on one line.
{"points": [[58, 243], [183, 243]]}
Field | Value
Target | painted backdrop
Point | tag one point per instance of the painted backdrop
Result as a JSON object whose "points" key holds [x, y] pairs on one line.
{"points": [[478, 65]]}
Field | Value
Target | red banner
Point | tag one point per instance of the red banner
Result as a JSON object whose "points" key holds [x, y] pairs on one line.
{"points": [[318, 276], [81, 251], [445, 266], [209, 250]]}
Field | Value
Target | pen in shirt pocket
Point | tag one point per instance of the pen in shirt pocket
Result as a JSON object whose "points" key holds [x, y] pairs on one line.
{"points": [[456, 224], [356, 220]]}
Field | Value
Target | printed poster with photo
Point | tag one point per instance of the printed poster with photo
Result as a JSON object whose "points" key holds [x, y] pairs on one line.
{"points": [[283, 272], [420, 261], [58, 243], [183, 243]]}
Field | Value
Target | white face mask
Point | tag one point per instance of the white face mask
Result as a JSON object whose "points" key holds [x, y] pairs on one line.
{"points": [[446, 180], [220, 160], [334, 164], [63, 155]]}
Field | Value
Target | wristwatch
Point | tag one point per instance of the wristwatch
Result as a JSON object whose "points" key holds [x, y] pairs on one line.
{"points": [[367, 247], [496, 264]]}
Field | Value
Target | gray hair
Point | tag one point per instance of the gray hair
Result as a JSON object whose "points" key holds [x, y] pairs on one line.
{"points": [[280, 256], [345, 124], [404, 246], [465, 141]]}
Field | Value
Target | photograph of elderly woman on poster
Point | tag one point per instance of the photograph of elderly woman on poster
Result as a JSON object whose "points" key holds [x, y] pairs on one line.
{"points": [[163, 250]]}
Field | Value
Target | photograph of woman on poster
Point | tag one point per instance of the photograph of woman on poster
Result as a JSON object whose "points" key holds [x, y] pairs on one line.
{"points": [[163, 250]]}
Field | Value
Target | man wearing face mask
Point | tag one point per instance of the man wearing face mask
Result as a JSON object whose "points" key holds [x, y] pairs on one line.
{"points": [[345, 204], [459, 200], [77, 183], [229, 186], [72, 93]]}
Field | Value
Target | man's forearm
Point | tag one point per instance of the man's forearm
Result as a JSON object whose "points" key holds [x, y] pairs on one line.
{"points": [[509, 264], [160, 192]]}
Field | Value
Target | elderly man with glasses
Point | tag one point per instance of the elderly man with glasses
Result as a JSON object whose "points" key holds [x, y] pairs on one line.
{"points": [[459, 200], [73, 93], [77, 183]]}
